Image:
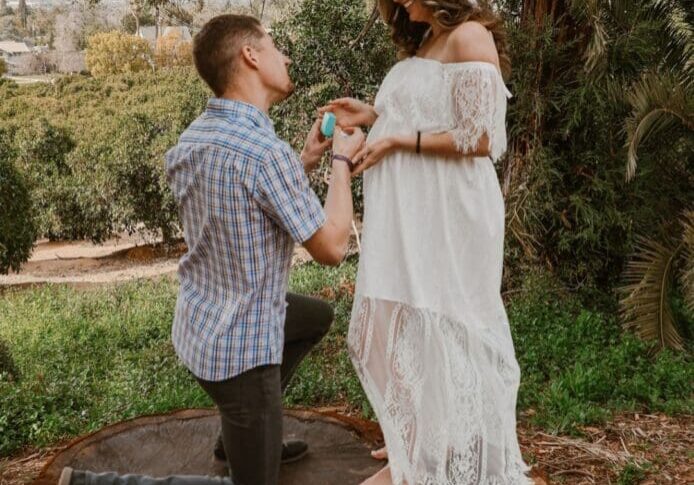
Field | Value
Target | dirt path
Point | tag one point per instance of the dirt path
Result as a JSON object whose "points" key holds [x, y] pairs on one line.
{"points": [[119, 259], [661, 445]]}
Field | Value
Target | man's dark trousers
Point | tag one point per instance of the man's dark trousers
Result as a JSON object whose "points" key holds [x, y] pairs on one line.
{"points": [[250, 404]]}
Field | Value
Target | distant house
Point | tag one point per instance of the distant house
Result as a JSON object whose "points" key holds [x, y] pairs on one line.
{"points": [[12, 52], [10, 48], [149, 32]]}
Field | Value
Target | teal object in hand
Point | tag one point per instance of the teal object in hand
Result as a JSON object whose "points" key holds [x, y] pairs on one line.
{"points": [[327, 126]]}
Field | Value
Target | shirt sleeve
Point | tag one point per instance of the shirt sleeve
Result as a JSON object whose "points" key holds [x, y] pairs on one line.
{"points": [[284, 193], [475, 100]]}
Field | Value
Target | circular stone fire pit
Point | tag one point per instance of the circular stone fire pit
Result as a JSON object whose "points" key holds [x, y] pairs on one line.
{"points": [[182, 442]]}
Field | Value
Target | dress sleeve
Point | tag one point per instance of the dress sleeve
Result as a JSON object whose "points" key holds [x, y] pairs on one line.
{"points": [[478, 108]]}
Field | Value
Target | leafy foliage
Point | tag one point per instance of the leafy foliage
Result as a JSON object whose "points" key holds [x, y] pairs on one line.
{"points": [[577, 81], [17, 229], [172, 51], [115, 52], [95, 162]]}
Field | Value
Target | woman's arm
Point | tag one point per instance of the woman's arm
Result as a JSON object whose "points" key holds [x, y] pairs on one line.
{"points": [[350, 112], [441, 144]]}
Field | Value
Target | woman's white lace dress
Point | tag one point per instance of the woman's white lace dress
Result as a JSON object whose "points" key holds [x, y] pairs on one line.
{"points": [[429, 335]]}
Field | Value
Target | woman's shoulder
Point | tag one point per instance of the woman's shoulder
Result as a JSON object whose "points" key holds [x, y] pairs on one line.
{"points": [[471, 42]]}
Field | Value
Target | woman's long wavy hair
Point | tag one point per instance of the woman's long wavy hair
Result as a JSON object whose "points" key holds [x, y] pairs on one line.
{"points": [[408, 35]]}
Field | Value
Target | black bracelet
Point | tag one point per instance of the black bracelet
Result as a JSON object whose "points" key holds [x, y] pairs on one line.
{"points": [[419, 139], [342, 158]]}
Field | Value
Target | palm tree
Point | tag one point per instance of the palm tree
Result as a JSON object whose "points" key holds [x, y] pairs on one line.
{"points": [[662, 104]]}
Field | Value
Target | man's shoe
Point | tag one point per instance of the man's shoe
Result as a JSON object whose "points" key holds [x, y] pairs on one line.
{"points": [[65, 476], [292, 450], [218, 451]]}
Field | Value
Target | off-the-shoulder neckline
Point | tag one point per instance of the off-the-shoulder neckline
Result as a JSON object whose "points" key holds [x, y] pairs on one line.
{"points": [[460, 63]]}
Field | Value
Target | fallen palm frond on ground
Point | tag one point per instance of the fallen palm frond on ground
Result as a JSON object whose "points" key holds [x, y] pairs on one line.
{"points": [[648, 449]]}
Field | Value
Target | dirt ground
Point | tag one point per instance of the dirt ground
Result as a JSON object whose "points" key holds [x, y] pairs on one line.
{"points": [[81, 263], [662, 445]]}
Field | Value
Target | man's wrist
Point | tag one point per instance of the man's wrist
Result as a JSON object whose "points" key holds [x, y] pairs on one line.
{"points": [[310, 162], [345, 160]]}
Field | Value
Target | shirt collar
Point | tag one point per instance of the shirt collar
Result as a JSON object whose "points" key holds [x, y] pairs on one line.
{"points": [[232, 108]]}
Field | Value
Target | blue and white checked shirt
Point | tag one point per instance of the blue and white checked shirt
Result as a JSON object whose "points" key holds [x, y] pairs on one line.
{"points": [[243, 198]]}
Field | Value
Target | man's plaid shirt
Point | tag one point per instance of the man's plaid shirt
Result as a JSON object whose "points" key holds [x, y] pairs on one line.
{"points": [[243, 198]]}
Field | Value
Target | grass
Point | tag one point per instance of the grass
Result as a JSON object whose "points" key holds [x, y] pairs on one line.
{"points": [[83, 359]]}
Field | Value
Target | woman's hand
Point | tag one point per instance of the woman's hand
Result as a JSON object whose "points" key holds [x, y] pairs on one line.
{"points": [[372, 154], [350, 112]]}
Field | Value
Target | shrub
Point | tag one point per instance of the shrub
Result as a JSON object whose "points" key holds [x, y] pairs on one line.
{"points": [[57, 190], [577, 366], [114, 52], [136, 165], [172, 51], [17, 230]]}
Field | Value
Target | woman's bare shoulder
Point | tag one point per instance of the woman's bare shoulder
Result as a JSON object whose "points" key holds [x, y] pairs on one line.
{"points": [[471, 41]]}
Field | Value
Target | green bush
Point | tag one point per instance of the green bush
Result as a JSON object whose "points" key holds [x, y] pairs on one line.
{"points": [[59, 189], [95, 163], [577, 366], [17, 230], [136, 166]]}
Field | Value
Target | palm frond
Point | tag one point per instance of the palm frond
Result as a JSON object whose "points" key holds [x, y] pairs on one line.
{"points": [[680, 32], [644, 306], [591, 14], [658, 102], [687, 277]]}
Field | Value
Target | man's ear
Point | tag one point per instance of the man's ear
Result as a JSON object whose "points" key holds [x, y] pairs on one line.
{"points": [[249, 55]]}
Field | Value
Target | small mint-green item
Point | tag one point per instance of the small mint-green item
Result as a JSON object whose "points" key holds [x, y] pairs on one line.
{"points": [[327, 126]]}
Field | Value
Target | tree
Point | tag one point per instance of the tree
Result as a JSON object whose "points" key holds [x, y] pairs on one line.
{"points": [[172, 51], [115, 52], [17, 230], [3, 67], [22, 13]]}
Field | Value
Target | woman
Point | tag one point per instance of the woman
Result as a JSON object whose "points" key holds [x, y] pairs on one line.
{"points": [[429, 335]]}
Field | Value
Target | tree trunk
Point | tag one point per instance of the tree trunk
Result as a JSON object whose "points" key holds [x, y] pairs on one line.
{"points": [[22, 12]]}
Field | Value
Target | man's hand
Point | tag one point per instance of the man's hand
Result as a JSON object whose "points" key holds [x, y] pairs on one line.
{"points": [[348, 142], [314, 148]]}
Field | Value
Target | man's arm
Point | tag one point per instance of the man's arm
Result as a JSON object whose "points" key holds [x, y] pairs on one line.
{"points": [[329, 244]]}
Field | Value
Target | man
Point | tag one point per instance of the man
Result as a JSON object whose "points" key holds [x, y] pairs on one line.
{"points": [[244, 199]]}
